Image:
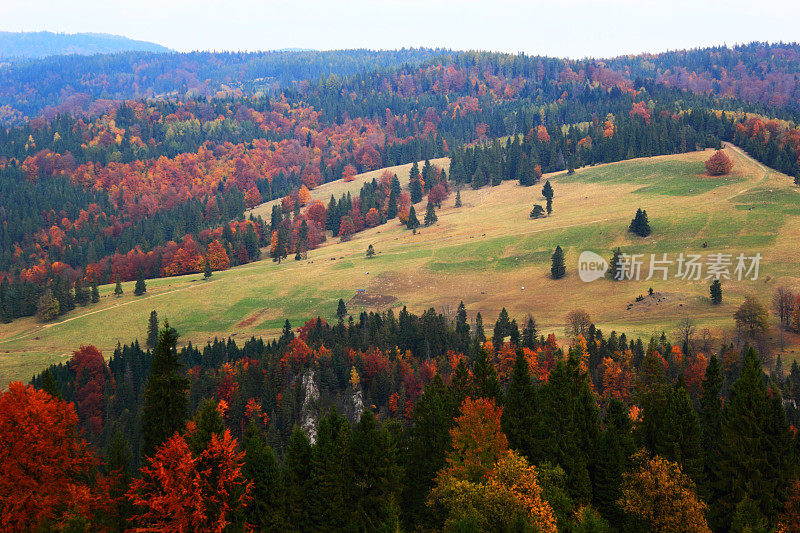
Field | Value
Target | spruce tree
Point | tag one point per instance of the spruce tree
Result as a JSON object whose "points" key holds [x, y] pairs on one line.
{"points": [[375, 476], [716, 292], [485, 382], [165, 398], [207, 268], [370, 252], [549, 205], [518, 420], [547, 190], [529, 333], [341, 310], [557, 267], [710, 415], [614, 265], [118, 288], [755, 460], [640, 225], [152, 330], [297, 476], [140, 287], [95, 293], [49, 384], [267, 509], [330, 508], [412, 222], [458, 198], [613, 449], [430, 215]]}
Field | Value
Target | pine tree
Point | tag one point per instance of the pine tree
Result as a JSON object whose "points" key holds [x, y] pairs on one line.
{"points": [[140, 287], [297, 476], [428, 444], [557, 268], [118, 288], [330, 509], [430, 215], [716, 292], [152, 330], [640, 225], [341, 310], [412, 222], [613, 454], [710, 414], [480, 336], [267, 509], [375, 476], [95, 293], [485, 382], [613, 272], [755, 460], [370, 252], [458, 198], [49, 384], [207, 268], [391, 211], [529, 333], [547, 190], [165, 398], [518, 420], [549, 206]]}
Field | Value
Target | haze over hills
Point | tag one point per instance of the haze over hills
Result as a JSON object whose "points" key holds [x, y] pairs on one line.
{"points": [[44, 43]]}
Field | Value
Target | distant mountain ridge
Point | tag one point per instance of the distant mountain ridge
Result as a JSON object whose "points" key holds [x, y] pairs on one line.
{"points": [[36, 45]]}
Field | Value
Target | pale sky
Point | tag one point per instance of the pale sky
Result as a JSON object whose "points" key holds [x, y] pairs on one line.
{"points": [[571, 28]]}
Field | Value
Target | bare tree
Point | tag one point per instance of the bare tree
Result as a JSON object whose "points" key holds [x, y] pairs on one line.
{"points": [[578, 322], [685, 331]]}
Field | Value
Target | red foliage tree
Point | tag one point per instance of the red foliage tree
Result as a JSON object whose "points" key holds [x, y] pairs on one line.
{"points": [[47, 472], [91, 378], [181, 492], [719, 164], [218, 257]]}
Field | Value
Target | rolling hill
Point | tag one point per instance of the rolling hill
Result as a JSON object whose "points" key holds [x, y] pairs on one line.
{"points": [[36, 45], [487, 253]]}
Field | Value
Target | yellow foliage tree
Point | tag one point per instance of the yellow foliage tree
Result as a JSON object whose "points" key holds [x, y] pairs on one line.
{"points": [[658, 491]]}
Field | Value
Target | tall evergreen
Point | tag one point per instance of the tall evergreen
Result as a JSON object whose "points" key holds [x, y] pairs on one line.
{"points": [[755, 460], [118, 288], [430, 215], [140, 287], [267, 509], [710, 415], [518, 420], [165, 398], [613, 453], [529, 333], [557, 266], [716, 292], [640, 225], [297, 480], [412, 222], [458, 198], [330, 507], [152, 330], [486, 384], [613, 272]]}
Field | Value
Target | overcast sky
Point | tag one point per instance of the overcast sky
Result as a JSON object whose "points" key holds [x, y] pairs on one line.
{"points": [[573, 28]]}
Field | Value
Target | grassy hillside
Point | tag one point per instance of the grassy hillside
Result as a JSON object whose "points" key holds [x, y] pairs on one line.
{"points": [[483, 254]]}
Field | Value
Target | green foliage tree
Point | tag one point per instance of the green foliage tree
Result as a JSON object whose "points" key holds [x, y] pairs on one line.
{"points": [[118, 288], [370, 252], [613, 272], [412, 222], [267, 509], [297, 476], [207, 269], [537, 211], [48, 306], [458, 198], [95, 293]]}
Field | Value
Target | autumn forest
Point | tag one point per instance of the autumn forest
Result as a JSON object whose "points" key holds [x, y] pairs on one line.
{"points": [[121, 172]]}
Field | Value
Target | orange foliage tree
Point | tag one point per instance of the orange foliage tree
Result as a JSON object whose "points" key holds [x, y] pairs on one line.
{"points": [[47, 473], [657, 491], [217, 256], [182, 492], [719, 164]]}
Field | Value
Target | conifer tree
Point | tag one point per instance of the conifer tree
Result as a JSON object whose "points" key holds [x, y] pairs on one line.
{"points": [[716, 292], [140, 287], [518, 419], [207, 268], [547, 190], [165, 399], [458, 198], [549, 205], [118, 288], [614, 265], [330, 508], [640, 225], [391, 211], [613, 453], [529, 333], [412, 222], [152, 330], [341, 310], [95, 293], [430, 215], [49, 384], [480, 336], [297, 477], [485, 382], [710, 415], [428, 444], [370, 252], [267, 509], [756, 448], [557, 267]]}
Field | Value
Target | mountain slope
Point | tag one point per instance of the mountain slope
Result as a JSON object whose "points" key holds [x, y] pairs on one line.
{"points": [[36, 45]]}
